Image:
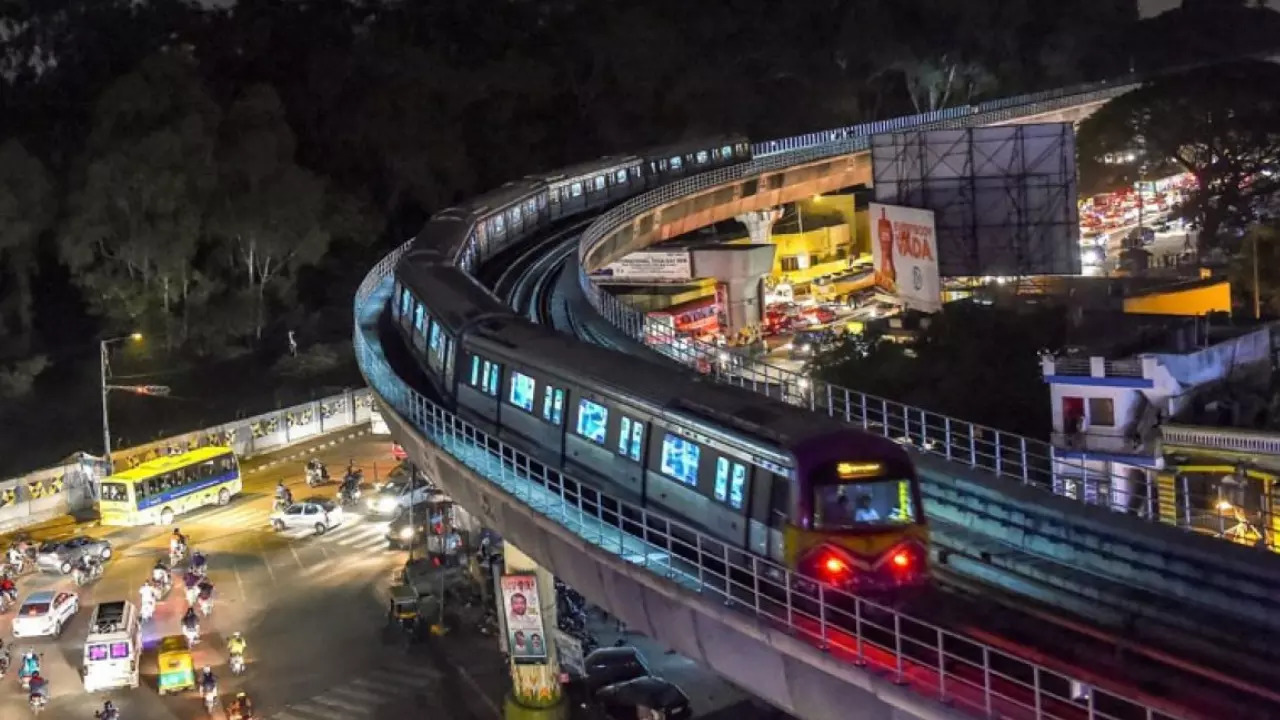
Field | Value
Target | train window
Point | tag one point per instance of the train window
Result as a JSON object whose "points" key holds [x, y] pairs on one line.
{"points": [[485, 375], [677, 162], [494, 371], [522, 387], [406, 304], [680, 459], [738, 486], [630, 438], [419, 319], [435, 338], [593, 421], [555, 197], [721, 490], [726, 152], [875, 501], [395, 306], [599, 182], [531, 207], [702, 157], [497, 225], [553, 405], [576, 189], [621, 176]]}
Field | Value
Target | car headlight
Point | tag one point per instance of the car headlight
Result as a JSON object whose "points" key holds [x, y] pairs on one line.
{"points": [[387, 504], [373, 503], [406, 533]]}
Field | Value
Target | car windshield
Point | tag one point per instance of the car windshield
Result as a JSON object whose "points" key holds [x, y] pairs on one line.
{"points": [[50, 547], [864, 503], [395, 487], [35, 608]]}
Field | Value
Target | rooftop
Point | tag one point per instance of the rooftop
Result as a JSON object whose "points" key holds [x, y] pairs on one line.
{"points": [[1116, 335]]}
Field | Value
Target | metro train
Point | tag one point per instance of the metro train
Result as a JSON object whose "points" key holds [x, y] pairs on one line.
{"points": [[833, 503]]}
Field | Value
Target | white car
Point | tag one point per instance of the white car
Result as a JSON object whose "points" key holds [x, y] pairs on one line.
{"points": [[319, 514], [45, 613], [403, 488]]}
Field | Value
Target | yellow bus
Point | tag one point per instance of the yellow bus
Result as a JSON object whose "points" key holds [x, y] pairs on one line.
{"points": [[158, 490]]}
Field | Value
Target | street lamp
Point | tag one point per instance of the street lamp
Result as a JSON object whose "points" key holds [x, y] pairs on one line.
{"points": [[104, 365]]}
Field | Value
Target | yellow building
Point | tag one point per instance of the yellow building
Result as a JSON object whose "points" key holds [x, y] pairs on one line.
{"points": [[831, 234], [1199, 297]]}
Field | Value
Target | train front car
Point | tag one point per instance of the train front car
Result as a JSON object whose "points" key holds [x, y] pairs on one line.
{"points": [[857, 522]]}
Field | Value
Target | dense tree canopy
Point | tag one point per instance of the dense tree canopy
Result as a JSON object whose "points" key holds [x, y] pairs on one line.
{"points": [[996, 382], [1220, 123]]}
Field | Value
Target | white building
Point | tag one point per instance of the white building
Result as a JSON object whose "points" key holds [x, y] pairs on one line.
{"points": [[1111, 392]]}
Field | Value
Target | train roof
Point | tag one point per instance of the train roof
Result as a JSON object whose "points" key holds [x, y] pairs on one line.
{"points": [[450, 295], [693, 144], [656, 382], [504, 196], [441, 238], [590, 169]]}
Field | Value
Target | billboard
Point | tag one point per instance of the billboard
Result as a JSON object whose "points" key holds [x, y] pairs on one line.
{"points": [[904, 252], [650, 266], [526, 636], [1004, 198]]}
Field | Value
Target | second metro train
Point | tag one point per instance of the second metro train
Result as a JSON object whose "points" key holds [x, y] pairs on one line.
{"points": [[831, 502]]}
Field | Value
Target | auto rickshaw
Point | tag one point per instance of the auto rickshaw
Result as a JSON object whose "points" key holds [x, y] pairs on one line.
{"points": [[402, 609], [177, 671]]}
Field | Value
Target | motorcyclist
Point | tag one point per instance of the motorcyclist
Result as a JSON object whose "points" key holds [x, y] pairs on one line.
{"points": [[284, 498], [236, 645], [8, 588], [241, 708], [108, 712], [30, 664], [83, 570], [191, 581], [208, 683], [148, 594], [38, 687], [205, 595], [191, 624], [199, 563], [16, 557], [160, 574], [177, 543], [350, 483]]}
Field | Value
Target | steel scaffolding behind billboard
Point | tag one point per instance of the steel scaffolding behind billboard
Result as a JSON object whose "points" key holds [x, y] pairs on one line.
{"points": [[1004, 197]]}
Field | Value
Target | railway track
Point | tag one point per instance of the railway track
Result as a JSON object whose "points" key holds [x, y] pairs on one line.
{"points": [[1079, 625]]}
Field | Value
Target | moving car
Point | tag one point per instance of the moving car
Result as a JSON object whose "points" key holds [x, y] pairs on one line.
{"points": [[404, 487], [411, 523], [61, 555], [45, 613], [317, 513], [662, 698], [611, 665]]}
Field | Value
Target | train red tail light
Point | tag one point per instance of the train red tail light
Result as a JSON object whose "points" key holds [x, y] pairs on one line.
{"points": [[834, 566], [901, 560]]}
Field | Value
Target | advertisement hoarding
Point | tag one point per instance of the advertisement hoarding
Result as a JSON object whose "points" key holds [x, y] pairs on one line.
{"points": [[650, 266], [526, 636], [904, 251]]}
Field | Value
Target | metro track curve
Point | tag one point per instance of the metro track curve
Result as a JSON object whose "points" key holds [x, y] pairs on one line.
{"points": [[1018, 605]]}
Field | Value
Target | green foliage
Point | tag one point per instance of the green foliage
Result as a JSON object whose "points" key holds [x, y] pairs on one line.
{"points": [[313, 362], [27, 207], [1221, 124], [976, 362], [18, 378]]}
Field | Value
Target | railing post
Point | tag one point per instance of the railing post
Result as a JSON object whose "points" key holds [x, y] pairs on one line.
{"points": [[946, 429], [999, 454], [986, 679], [858, 659], [1026, 463], [897, 645], [755, 583], [1035, 688], [973, 445], [822, 619], [698, 549], [942, 667]]}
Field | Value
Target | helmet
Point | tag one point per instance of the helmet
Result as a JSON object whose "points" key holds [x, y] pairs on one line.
{"points": [[236, 634], [208, 670]]}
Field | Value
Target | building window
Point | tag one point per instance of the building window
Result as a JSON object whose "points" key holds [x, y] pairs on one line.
{"points": [[553, 405], [791, 263], [630, 438], [593, 421], [1102, 412]]}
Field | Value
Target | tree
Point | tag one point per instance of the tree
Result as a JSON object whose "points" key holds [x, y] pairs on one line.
{"points": [[1259, 259], [977, 362], [269, 211], [1221, 124], [27, 207], [136, 211]]}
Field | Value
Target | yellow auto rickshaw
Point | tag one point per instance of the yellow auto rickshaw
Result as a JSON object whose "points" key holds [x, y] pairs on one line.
{"points": [[177, 671]]}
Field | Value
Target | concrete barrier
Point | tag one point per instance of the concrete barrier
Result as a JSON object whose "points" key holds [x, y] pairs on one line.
{"points": [[70, 487]]}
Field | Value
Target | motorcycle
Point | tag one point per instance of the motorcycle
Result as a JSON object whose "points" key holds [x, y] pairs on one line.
{"points": [[206, 606], [193, 634], [210, 699], [83, 577], [37, 703], [237, 663], [193, 595], [177, 555], [108, 715], [317, 475], [349, 495], [4, 663], [148, 611]]}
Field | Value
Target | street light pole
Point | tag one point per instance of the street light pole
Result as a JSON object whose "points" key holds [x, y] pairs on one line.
{"points": [[103, 349]]}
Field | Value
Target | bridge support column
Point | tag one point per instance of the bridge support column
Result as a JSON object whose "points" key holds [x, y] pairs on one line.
{"points": [[527, 606], [739, 269], [759, 223]]}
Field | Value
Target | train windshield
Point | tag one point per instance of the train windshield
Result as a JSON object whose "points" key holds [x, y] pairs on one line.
{"points": [[863, 503]]}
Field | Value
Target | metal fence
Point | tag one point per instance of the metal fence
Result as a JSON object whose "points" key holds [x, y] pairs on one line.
{"points": [[1074, 474], [67, 488], [980, 680]]}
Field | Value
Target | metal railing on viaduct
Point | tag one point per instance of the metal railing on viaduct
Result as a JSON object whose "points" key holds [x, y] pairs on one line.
{"points": [[818, 653]]}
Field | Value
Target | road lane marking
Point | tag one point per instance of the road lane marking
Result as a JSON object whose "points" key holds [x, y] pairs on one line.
{"points": [[294, 549]]}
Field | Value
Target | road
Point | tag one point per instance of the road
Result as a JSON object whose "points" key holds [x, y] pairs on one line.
{"points": [[311, 608]]}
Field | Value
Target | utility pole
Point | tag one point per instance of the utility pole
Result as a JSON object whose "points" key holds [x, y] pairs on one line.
{"points": [[1257, 285]]}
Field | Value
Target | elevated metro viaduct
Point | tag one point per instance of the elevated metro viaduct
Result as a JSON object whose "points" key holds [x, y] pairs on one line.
{"points": [[773, 661]]}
